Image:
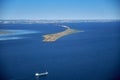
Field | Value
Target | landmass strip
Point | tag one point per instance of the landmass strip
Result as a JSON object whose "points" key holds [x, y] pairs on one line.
{"points": [[4, 32], [55, 36]]}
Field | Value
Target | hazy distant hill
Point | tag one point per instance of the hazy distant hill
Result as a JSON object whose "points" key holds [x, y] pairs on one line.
{"points": [[50, 21]]}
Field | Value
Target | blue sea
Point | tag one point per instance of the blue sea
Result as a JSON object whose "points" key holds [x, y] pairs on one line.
{"points": [[90, 55]]}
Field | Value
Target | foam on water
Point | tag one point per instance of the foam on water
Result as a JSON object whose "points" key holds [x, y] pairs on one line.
{"points": [[14, 34], [18, 32], [10, 38]]}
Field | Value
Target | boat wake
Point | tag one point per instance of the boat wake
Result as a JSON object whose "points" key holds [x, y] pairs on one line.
{"points": [[14, 34], [10, 38]]}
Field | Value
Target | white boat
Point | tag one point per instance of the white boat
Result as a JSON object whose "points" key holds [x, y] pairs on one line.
{"points": [[41, 74]]}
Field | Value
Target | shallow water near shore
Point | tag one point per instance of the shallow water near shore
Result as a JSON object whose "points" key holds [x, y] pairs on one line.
{"points": [[89, 55]]}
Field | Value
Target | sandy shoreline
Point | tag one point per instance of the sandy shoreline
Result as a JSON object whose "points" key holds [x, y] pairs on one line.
{"points": [[55, 36]]}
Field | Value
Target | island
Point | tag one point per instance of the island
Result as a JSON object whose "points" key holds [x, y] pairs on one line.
{"points": [[55, 36], [5, 32]]}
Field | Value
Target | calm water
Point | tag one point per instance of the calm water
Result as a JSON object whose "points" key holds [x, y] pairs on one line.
{"points": [[90, 55]]}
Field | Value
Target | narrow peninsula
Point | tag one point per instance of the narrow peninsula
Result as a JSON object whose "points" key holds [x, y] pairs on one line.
{"points": [[55, 36], [4, 32]]}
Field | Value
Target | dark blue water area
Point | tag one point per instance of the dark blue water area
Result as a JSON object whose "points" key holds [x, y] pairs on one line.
{"points": [[90, 55]]}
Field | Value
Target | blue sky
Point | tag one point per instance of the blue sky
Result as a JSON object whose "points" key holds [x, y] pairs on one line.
{"points": [[60, 9]]}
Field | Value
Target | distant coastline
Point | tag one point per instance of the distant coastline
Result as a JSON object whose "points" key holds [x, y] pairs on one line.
{"points": [[55, 36], [52, 21]]}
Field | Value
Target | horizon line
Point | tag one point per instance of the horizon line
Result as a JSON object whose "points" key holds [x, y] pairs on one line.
{"points": [[59, 19]]}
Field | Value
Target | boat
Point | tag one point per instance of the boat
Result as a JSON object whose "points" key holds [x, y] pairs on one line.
{"points": [[41, 74]]}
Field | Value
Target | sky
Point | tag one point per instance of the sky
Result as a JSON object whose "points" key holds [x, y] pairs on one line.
{"points": [[59, 9]]}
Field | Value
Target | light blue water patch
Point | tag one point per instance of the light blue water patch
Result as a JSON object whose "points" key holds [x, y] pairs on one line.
{"points": [[10, 38], [17, 32]]}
